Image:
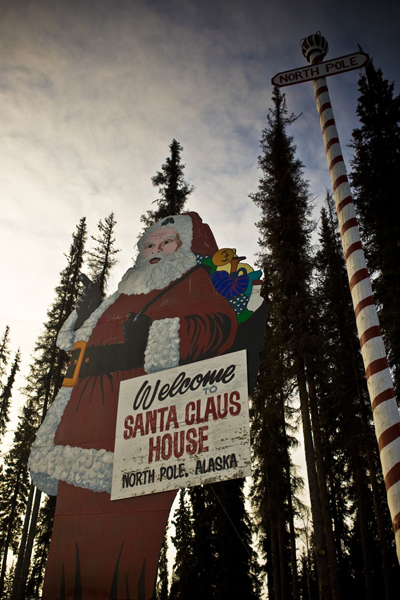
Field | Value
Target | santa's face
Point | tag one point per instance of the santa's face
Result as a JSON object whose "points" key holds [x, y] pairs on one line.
{"points": [[164, 240], [163, 259]]}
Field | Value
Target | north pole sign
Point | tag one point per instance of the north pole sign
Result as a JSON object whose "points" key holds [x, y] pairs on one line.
{"points": [[342, 64], [182, 427]]}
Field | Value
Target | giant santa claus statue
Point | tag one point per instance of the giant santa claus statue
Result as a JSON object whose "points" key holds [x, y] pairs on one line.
{"points": [[178, 304]]}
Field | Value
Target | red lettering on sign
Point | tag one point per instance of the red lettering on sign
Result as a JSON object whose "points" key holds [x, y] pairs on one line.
{"points": [[203, 438], [210, 409], [151, 422], [128, 433], [154, 449], [162, 412], [235, 407], [172, 418], [198, 409], [166, 446], [191, 434], [189, 419], [179, 448], [138, 425], [222, 411]]}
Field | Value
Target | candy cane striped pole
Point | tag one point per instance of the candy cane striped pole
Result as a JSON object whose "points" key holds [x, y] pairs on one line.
{"points": [[380, 385]]}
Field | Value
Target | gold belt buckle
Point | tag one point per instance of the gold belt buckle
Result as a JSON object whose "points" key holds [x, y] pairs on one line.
{"points": [[74, 365]]}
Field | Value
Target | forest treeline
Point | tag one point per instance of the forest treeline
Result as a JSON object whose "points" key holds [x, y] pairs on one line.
{"points": [[266, 539]]}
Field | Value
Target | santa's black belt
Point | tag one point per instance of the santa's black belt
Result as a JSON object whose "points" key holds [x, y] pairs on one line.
{"points": [[89, 361]]}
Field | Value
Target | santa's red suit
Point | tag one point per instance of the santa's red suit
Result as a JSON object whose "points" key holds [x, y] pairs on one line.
{"points": [[103, 549]]}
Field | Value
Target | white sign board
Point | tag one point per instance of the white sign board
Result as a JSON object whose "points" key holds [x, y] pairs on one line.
{"points": [[182, 427], [322, 69]]}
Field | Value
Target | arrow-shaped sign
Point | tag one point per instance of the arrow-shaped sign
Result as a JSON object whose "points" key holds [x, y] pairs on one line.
{"points": [[322, 69]]}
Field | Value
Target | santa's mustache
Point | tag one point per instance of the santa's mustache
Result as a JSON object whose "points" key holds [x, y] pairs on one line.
{"points": [[154, 259]]}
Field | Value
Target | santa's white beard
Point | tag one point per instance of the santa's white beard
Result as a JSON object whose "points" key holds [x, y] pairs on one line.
{"points": [[145, 277]]}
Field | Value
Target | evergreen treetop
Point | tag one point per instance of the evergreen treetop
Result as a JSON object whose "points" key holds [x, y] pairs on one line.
{"points": [[375, 168], [173, 189], [376, 163], [102, 257], [285, 225]]}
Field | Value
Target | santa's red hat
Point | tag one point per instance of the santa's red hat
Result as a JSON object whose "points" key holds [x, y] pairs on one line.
{"points": [[193, 233]]}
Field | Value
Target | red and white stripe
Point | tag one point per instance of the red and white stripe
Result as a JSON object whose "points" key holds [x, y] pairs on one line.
{"points": [[380, 385]]}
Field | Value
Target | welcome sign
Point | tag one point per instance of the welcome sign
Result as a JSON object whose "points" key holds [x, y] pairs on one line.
{"points": [[182, 427]]}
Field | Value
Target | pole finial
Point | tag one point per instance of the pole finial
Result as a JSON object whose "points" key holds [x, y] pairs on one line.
{"points": [[314, 47]]}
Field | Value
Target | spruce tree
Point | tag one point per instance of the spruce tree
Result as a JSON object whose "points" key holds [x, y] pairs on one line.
{"points": [[204, 553], [42, 546], [235, 560], [162, 573], [173, 189], [101, 259], [375, 165], [183, 576], [214, 558], [352, 463], [275, 483], [285, 228], [14, 483], [5, 396], [8, 582], [42, 385], [4, 352], [308, 586]]}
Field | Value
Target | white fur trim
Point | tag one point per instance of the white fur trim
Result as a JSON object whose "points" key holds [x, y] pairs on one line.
{"points": [[67, 336], [49, 463], [162, 350]]}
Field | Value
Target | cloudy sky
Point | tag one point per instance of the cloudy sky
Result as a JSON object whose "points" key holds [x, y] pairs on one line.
{"points": [[92, 93]]}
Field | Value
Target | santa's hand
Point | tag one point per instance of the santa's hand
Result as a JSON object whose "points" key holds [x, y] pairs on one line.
{"points": [[88, 302], [136, 334]]}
